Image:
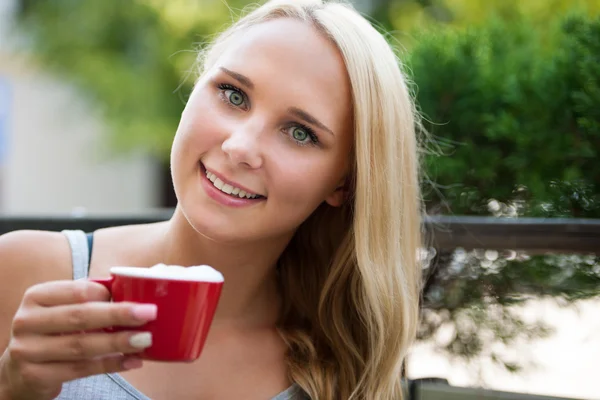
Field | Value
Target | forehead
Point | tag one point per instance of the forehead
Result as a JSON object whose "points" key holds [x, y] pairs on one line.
{"points": [[292, 56]]}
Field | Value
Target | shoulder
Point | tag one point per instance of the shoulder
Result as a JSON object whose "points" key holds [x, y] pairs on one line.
{"points": [[26, 259], [30, 257], [135, 245]]}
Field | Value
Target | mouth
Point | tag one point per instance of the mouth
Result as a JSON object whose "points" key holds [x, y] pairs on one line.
{"points": [[229, 188]]}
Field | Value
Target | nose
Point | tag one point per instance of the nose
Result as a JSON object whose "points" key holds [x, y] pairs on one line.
{"points": [[242, 145]]}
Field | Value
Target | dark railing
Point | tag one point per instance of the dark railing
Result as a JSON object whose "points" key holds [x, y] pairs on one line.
{"points": [[536, 235]]}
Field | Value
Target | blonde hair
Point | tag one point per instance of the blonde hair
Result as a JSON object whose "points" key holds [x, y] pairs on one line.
{"points": [[350, 276]]}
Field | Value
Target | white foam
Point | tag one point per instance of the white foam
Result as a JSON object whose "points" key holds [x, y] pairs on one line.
{"points": [[199, 273]]}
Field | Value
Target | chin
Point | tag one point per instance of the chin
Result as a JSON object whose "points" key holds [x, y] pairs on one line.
{"points": [[217, 229], [251, 230]]}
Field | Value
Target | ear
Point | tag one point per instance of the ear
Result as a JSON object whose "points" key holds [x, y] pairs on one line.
{"points": [[337, 197]]}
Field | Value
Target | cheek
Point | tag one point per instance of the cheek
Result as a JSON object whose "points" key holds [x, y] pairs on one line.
{"points": [[198, 131], [304, 181]]}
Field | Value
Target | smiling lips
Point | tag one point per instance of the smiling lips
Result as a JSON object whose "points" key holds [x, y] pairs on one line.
{"points": [[228, 188]]}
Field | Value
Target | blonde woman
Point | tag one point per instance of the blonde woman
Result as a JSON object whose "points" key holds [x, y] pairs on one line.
{"points": [[296, 171]]}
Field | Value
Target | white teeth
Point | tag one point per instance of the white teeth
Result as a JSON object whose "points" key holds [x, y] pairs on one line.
{"points": [[218, 183], [227, 188]]}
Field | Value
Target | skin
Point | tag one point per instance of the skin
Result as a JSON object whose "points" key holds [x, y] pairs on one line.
{"points": [[253, 143]]}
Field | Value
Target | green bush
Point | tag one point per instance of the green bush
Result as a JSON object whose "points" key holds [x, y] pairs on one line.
{"points": [[515, 121]]}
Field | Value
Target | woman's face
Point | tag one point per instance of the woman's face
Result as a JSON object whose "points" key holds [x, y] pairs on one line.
{"points": [[271, 118]]}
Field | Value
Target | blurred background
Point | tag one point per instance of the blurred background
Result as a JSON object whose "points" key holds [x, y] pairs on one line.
{"points": [[91, 93]]}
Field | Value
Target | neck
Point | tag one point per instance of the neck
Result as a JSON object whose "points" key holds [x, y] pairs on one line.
{"points": [[250, 294]]}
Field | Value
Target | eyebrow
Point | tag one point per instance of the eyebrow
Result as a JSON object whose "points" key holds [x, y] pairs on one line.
{"points": [[244, 80], [308, 118]]}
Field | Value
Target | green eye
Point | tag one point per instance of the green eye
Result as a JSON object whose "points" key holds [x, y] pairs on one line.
{"points": [[234, 97], [299, 134]]}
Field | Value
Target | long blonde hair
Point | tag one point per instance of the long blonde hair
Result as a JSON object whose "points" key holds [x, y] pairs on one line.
{"points": [[350, 277]]}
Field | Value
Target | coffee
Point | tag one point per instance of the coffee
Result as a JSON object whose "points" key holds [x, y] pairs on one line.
{"points": [[198, 273]]}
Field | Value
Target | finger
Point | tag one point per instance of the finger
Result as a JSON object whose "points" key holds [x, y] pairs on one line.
{"points": [[49, 374], [81, 346], [83, 317], [55, 293]]}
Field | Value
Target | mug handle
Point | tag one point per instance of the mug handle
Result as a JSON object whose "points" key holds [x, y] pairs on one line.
{"points": [[107, 283]]}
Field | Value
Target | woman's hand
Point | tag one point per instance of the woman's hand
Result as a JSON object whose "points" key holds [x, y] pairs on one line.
{"points": [[57, 336]]}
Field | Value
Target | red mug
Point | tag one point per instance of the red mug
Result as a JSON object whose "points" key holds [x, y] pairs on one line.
{"points": [[185, 307]]}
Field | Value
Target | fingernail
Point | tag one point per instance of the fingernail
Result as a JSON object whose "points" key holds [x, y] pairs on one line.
{"points": [[141, 340], [145, 312], [132, 363]]}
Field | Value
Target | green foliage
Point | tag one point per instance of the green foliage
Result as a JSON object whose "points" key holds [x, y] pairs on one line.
{"points": [[132, 60], [509, 117], [407, 15]]}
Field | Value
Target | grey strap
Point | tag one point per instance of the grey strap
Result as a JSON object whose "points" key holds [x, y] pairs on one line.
{"points": [[79, 253], [294, 392]]}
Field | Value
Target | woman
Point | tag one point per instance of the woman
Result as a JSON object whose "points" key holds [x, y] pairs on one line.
{"points": [[296, 171]]}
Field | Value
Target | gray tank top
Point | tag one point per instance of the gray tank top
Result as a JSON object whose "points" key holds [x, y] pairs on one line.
{"points": [[113, 386]]}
